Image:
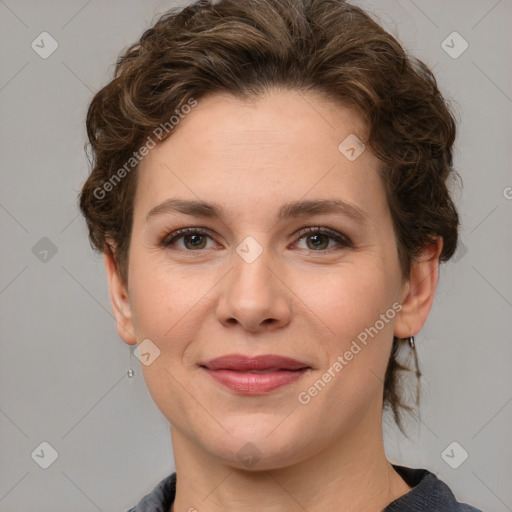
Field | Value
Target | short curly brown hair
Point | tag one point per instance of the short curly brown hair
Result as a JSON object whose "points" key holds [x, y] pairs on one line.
{"points": [[245, 48]]}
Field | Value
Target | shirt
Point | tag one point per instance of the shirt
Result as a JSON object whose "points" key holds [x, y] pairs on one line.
{"points": [[428, 494]]}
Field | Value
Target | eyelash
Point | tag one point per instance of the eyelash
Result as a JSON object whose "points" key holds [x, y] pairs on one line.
{"points": [[342, 240]]}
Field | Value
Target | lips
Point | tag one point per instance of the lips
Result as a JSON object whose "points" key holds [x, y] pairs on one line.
{"points": [[254, 375], [264, 364]]}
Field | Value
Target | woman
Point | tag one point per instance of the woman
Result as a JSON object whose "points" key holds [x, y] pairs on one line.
{"points": [[270, 194]]}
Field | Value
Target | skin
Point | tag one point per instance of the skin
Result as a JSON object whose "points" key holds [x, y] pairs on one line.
{"points": [[295, 300]]}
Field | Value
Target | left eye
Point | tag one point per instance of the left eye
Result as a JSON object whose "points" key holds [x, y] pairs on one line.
{"points": [[196, 238], [319, 238]]}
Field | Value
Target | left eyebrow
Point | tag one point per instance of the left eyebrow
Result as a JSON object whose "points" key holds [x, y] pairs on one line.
{"points": [[322, 206], [288, 210]]}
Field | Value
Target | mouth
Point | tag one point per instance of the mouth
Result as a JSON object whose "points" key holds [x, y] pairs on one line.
{"points": [[254, 375], [264, 363]]}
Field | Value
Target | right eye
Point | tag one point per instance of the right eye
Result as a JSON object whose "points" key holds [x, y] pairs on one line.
{"points": [[193, 239]]}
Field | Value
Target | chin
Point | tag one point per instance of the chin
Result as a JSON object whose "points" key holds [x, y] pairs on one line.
{"points": [[261, 445]]}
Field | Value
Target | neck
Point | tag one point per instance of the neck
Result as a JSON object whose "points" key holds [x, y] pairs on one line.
{"points": [[353, 471]]}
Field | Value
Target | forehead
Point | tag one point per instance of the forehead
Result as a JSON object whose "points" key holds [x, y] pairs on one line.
{"points": [[280, 147]]}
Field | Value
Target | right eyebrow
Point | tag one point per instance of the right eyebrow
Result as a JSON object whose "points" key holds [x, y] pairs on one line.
{"points": [[188, 207]]}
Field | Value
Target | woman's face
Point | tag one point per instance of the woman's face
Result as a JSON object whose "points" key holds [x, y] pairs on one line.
{"points": [[253, 283]]}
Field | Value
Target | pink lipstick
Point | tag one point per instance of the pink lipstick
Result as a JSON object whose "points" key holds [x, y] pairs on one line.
{"points": [[254, 375]]}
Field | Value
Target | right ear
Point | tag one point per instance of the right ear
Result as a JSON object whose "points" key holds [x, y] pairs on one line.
{"points": [[119, 300]]}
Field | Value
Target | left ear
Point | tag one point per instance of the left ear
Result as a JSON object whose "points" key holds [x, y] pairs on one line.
{"points": [[418, 292]]}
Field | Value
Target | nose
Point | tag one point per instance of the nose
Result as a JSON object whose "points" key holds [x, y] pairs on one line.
{"points": [[254, 295]]}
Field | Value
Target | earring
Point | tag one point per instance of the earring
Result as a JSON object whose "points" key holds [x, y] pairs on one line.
{"points": [[413, 348], [131, 372], [416, 364]]}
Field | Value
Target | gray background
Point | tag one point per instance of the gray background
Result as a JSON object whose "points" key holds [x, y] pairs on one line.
{"points": [[63, 368]]}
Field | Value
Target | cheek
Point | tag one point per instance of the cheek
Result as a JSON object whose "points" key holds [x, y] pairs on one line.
{"points": [[358, 306], [170, 306], [163, 312], [349, 299], [161, 296], [349, 387], [170, 303]]}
